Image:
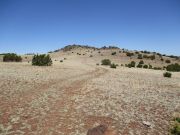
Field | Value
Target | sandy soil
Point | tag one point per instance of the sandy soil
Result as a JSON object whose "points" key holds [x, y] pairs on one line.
{"points": [[69, 98]]}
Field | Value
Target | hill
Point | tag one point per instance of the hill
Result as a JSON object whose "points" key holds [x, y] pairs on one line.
{"points": [[116, 55], [77, 93]]}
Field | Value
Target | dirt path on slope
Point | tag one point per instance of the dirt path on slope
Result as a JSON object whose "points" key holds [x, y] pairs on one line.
{"points": [[49, 109]]}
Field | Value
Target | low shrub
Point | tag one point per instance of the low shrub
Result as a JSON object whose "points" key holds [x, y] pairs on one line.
{"points": [[146, 52], [139, 66], [61, 60], [141, 62], [173, 67], [106, 62], [113, 53], [129, 54], [122, 65], [11, 57], [132, 64], [175, 129], [139, 56], [157, 68], [145, 56], [129, 65], [152, 57], [168, 61], [164, 55], [97, 64], [150, 66], [177, 119], [160, 55], [113, 65], [167, 74], [41, 60], [91, 56], [145, 66]]}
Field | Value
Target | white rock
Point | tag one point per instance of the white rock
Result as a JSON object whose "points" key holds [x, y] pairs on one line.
{"points": [[147, 123]]}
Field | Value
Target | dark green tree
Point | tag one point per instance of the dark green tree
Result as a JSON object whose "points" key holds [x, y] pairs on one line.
{"points": [[11, 57], [41, 60]]}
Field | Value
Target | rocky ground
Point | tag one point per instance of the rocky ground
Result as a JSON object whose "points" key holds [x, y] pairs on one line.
{"points": [[69, 98]]}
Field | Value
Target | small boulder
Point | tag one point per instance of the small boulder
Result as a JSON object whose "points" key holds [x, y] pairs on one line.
{"points": [[147, 123]]}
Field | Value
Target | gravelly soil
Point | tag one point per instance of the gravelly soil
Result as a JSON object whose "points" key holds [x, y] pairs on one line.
{"points": [[71, 97]]}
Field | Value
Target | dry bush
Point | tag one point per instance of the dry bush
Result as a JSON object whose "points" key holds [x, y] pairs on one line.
{"points": [[106, 62]]}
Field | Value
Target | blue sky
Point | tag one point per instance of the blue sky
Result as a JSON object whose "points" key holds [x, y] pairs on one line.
{"points": [[43, 25]]}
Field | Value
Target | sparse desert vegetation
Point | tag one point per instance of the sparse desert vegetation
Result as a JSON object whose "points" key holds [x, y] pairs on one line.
{"points": [[167, 74], [150, 66], [175, 125], [140, 56], [152, 57], [113, 65], [71, 97], [168, 61], [129, 54], [89, 67], [41, 60], [141, 62], [11, 57], [106, 62], [145, 66], [113, 53], [132, 64], [139, 66], [173, 67]]}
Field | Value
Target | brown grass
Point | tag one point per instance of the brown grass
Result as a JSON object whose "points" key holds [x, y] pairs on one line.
{"points": [[71, 97]]}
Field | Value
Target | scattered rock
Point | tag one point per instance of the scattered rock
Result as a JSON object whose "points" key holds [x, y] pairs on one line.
{"points": [[15, 119], [147, 123]]}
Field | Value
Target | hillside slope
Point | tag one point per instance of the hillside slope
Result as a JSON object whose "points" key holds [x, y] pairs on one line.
{"points": [[120, 55], [72, 96]]}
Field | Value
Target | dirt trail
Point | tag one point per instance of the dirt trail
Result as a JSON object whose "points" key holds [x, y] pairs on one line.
{"points": [[69, 98], [64, 118], [48, 108]]}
